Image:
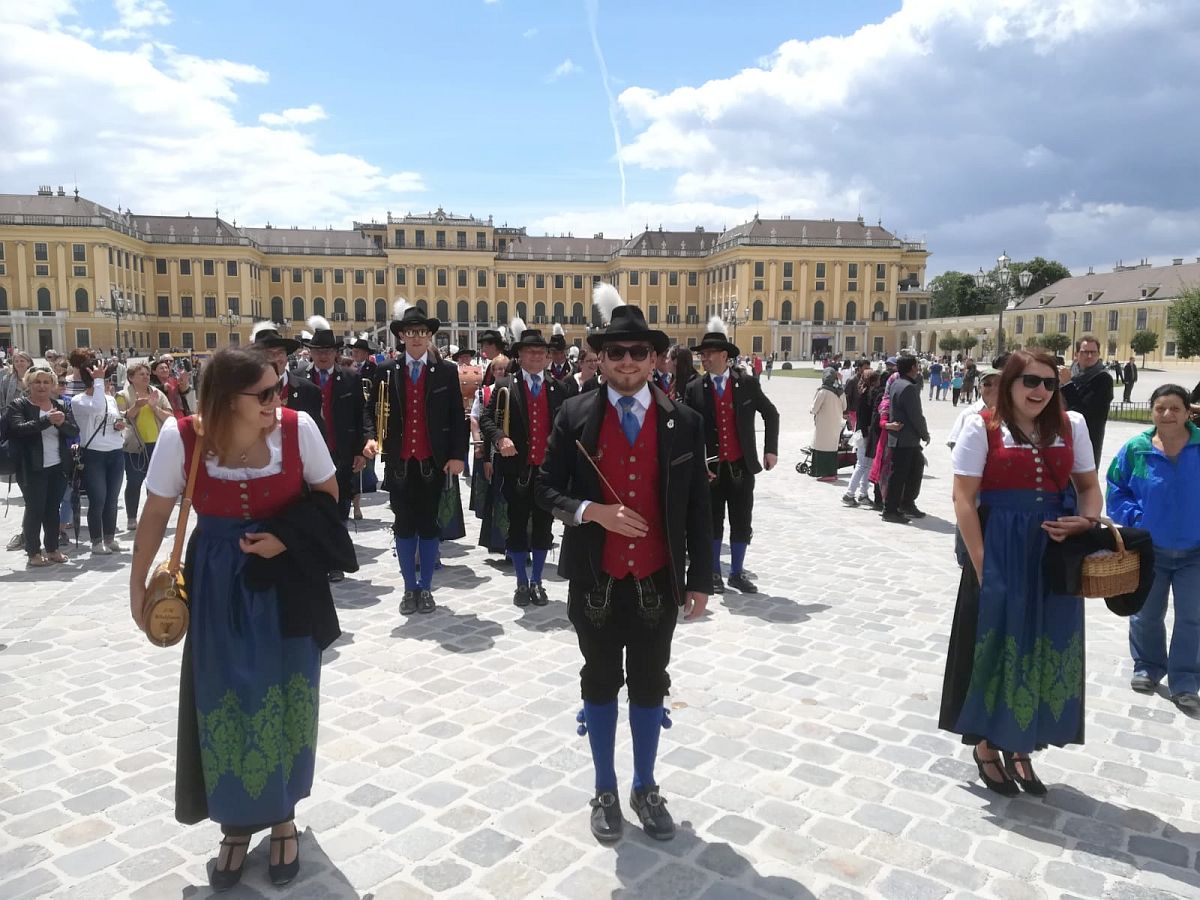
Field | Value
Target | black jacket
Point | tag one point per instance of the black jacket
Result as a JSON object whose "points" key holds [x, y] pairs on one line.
{"points": [[748, 399], [304, 396], [1091, 399], [448, 432], [567, 478], [23, 427], [349, 434], [906, 409], [489, 418]]}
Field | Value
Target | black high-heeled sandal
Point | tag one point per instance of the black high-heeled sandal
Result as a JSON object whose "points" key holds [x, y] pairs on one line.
{"points": [[281, 873], [1004, 786], [1031, 785], [222, 879]]}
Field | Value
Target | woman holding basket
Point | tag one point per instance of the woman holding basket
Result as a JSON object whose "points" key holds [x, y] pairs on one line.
{"points": [[1014, 678], [252, 660]]}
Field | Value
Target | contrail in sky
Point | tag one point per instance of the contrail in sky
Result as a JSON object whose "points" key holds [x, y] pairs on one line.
{"points": [[592, 7]]}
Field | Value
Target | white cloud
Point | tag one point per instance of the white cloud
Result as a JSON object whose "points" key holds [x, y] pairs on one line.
{"points": [[968, 123], [135, 18], [303, 115], [529, 33], [563, 69], [157, 130]]}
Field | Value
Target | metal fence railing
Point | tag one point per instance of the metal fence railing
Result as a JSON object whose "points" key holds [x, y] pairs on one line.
{"points": [[1134, 411]]}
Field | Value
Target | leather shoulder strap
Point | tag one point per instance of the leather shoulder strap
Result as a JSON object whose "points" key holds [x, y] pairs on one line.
{"points": [[185, 505]]}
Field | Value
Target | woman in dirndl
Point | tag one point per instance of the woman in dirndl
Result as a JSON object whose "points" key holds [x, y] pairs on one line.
{"points": [[1023, 475], [254, 715]]}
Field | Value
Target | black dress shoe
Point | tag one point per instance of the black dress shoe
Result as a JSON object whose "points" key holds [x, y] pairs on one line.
{"points": [[898, 518], [521, 596], [877, 505], [651, 808], [425, 602], [742, 583], [335, 576], [1004, 786], [1031, 785], [281, 873], [718, 585], [408, 605], [912, 512], [607, 821], [538, 595], [222, 879]]}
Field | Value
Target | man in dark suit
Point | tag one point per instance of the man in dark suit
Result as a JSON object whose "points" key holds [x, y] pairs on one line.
{"points": [[297, 392], [1129, 377], [426, 441], [623, 554], [560, 366], [729, 399], [907, 430], [362, 357], [1089, 390], [533, 397]]}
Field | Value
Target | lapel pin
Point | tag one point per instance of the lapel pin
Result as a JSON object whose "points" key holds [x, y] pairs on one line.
{"points": [[670, 423]]}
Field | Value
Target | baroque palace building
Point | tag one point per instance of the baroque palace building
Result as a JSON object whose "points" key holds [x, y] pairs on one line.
{"points": [[794, 288]]}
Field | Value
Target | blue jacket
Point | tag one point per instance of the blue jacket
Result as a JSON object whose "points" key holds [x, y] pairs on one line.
{"points": [[1147, 490]]}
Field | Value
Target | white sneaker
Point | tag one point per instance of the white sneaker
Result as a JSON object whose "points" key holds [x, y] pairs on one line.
{"points": [[98, 549]]}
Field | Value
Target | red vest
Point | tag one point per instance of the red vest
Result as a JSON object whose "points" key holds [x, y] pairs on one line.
{"points": [[415, 441], [254, 498], [538, 412], [327, 408], [633, 472], [1026, 468], [729, 445]]}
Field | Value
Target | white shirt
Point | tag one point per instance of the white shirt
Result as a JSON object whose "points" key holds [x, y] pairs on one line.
{"points": [[96, 413], [973, 410], [642, 401], [970, 452], [541, 376], [167, 476], [50, 454]]}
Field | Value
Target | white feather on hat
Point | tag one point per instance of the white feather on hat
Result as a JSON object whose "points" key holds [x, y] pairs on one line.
{"points": [[558, 329], [452, 351], [517, 326], [306, 335], [365, 336], [504, 333], [318, 323], [717, 325], [260, 327], [398, 308], [606, 299], [573, 352]]}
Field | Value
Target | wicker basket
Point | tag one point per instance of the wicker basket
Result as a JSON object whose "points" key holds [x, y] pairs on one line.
{"points": [[1114, 574]]}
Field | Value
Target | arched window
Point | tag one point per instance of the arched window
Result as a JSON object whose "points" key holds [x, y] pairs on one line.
{"points": [[297, 309], [464, 312], [539, 311], [560, 312], [879, 313], [819, 311], [785, 311], [360, 310], [502, 312], [380, 309], [3, 300], [318, 306], [851, 311], [756, 311], [481, 312], [522, 311], [576, 313], [443, 311], [81, 300], [423, 306], [43, 299], [339, 309], [276, 309]]}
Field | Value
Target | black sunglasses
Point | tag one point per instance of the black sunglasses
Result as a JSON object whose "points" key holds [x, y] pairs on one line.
{"points": [[637, 353], [266, 395], [1032, 381]]}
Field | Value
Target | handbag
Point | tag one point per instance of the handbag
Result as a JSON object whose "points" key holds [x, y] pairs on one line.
{"points": [[165, 614]]}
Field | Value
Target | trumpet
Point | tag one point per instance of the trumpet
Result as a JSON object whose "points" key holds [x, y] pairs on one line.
{"points": [[503, 408], [383, 407]]}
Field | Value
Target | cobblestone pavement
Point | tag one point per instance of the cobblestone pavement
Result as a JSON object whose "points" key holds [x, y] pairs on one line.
{"points": [[804, 759]]}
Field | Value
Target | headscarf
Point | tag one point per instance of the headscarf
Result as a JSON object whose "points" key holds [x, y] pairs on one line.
{"points": [[831, 382]]}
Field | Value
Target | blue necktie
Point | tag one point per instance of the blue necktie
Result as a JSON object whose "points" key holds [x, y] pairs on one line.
{"points": [[719, 383], [629, 423], [536, 387], [324, 378], [416, 372]]}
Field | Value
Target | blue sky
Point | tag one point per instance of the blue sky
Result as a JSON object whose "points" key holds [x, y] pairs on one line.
{"points": [[1040, 127]]}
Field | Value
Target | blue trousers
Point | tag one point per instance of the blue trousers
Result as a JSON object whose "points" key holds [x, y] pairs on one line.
{"points": [[1176, 572], [103, 472]]}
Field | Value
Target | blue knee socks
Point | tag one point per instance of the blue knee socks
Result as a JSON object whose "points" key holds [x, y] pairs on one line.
{"points": [[406, 553], [737, 556], [428, 548], [539, 563], [520, 561], [645, 725], [601, 722], [716, 545]]}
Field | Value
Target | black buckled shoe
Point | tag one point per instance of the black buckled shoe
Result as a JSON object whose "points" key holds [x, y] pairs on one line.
{"points": [[425, 602], [651, 808], [742, 583], [718, 584], [1004, 785], [335, 576], [521, 596], [895, 517], [281, 873], [538, 595], [1031, 785], [222, 879], [607, 821], [408, 605], [912, 512]]}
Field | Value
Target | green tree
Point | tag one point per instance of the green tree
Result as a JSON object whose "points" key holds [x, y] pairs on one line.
{"points": [[950, 343], [1185, 319], [1056, 342], [955, 294], [968, 342], [1044, 271], [1032, 342], [1143, 342]]}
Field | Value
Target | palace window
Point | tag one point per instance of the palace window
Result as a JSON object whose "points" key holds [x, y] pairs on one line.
{"points": [[577, 282], [231, 268], [210, 340], [1142, 315], [210, 267], [81, 300], [401, 276], [673, 279], [210, 307], [160, 267], [654, 278], [41, 252], [419, 237], [480, 240], [539, 281], [633, 278], [398, 238], [501, 279], [420, 277], [461, 240], [558, 282], [462, 277], [185, 267], [441, 277], [521, 284], [164, 306], [481, 278], [185, 307], [318, 276], [297, 309], [691, 279]]}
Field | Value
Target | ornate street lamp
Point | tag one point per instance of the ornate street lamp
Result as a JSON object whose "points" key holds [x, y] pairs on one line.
{"points": [[230, 320], [118, 305], [1001, 279], [729, 313]]}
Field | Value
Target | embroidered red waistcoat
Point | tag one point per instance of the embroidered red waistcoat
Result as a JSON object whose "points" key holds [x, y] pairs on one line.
{"points": [[253, 498], [633, 472], [1027, 468], [415, 442], [729, 445], [538, 411], [327, 409]]}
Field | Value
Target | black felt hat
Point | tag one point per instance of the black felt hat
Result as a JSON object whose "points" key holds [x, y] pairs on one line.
{"points": [[413, 317], [264, 334], [492, 336], [530, 337], [628, 324], [323, 337]]}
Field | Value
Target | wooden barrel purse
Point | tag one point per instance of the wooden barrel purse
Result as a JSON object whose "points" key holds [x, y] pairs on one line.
{"points": [[165, 614]]}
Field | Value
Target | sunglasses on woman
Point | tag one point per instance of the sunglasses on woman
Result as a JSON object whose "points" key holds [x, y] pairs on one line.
{"points": [[266, 395], [637, 353], [1032, 381]]}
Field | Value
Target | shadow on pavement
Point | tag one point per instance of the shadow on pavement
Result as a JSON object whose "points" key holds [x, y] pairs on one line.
{"points": [[318, 876], [780, 610], [933, 523], [551, 617], [456, 632]]}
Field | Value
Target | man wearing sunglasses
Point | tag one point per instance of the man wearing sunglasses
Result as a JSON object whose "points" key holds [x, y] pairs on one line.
{"points": [[534, 397], [625, 473], [729, 399], [295, 393]]}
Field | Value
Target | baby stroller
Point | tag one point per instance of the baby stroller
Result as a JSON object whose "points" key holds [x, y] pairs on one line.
{"points": [[846, 456]]}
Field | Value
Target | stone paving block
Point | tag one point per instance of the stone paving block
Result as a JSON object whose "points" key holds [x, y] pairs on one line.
{"points": [[898, 885], [846, 866], [1080, 881], [89, 859], [29, 883]]}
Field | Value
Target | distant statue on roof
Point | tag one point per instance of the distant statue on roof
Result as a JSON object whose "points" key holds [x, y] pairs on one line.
{"points": [[803, 232], [838, 233]]}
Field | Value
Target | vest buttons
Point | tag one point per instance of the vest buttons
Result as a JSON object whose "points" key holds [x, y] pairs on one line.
{"points": [[630, 564], [633, 478], [632, 494], [631, 546], [633, 459], [245, 496], [242, 485]]}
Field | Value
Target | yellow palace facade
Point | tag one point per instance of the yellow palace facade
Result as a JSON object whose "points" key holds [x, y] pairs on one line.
{"points": [[790, 287]]}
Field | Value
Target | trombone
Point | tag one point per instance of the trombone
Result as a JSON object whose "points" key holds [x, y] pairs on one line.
{"points": [[503, 408]]}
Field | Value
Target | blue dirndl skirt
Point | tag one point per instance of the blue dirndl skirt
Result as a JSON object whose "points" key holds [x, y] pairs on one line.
{"points": [[256, 692], [1015, 666]]}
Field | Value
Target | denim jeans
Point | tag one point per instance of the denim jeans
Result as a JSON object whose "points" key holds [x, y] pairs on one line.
{"points": [[862, 469], [103, 471], [136, 466], [1176, 571]]}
